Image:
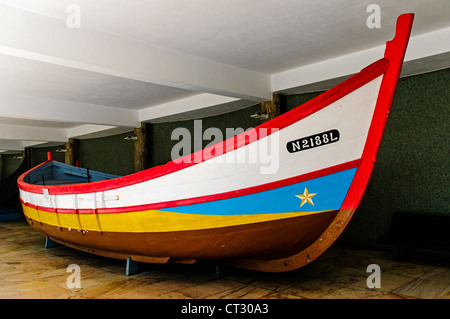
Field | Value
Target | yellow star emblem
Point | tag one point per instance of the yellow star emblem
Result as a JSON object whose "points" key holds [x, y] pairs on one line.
{"points": [[306, 197]]}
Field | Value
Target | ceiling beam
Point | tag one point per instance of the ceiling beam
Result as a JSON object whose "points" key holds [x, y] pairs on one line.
{"points": [[42, 109], [85, 131], [191, 103], [40, 38], [33, 143], [192, 107], [11, 145], [15, 145], [309, 77], [32, 133]]}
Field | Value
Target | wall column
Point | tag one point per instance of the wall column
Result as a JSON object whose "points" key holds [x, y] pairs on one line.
{"points": [[69, 156], [272, 108], [140, 148], [28, 154]]}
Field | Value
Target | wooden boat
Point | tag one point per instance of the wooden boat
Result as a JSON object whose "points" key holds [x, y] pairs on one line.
{"points": [[9, 194], [205, 207]]}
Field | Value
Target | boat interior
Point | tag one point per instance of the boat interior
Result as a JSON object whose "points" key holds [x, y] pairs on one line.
{"points": [[56, 173]]}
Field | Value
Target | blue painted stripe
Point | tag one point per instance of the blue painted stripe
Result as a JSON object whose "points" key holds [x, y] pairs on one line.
{"points": [[330, 193]]}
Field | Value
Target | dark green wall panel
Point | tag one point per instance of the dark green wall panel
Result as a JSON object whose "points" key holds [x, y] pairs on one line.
{"points": [[39, 154], [8, 164], [112, 154], [411, 174]]}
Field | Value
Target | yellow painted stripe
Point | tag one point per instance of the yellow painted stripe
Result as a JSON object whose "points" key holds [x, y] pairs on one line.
{"points": [[150, 220]]}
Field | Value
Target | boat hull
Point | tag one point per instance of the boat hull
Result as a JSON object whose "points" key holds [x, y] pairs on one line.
{"points": [[249, 214], [272, 224], [266, 240]]}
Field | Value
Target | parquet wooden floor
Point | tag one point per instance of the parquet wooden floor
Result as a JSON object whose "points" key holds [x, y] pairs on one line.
{"points": [[28, 270]]}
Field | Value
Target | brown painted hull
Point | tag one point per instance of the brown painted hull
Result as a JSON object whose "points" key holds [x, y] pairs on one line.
{"points": [[265, 240], [304, 256]]}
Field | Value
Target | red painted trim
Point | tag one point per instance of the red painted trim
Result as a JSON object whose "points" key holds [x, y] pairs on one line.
{"points": [[209, 198], [394, 53], [366, 75]]}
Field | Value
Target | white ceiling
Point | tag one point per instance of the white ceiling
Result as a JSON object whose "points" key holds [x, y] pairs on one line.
{"points": [[138, 61]]}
